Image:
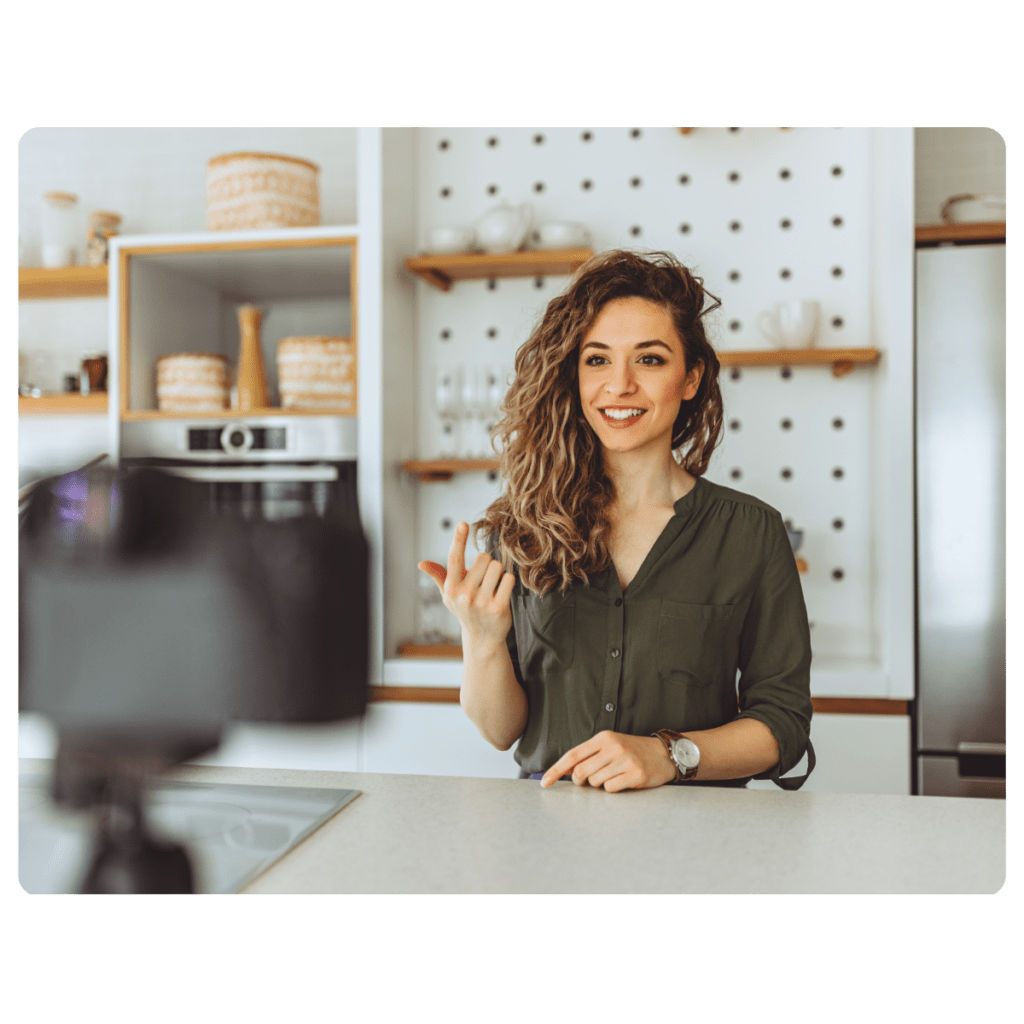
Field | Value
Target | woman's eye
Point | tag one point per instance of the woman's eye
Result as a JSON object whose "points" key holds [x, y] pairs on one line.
{"points": [[658, 361], [593, 360]]}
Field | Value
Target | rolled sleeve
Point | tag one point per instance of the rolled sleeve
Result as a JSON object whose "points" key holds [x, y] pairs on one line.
{"points": [[775, 658]]}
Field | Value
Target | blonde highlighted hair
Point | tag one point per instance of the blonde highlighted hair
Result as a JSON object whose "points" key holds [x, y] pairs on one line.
{"points": [[551, 522]]}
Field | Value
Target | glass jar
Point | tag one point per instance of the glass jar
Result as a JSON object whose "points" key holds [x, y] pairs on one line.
{"points": [[60, 229]]}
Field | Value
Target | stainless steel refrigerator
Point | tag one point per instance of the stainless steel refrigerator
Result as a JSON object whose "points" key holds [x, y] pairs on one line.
{"points": [[960, 467]]}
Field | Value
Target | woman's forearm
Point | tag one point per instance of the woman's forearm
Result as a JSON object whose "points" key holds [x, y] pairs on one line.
{"points": [[735, 750], [491, 695]]}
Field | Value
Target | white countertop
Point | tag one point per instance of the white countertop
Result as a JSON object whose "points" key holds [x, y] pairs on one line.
{"points": [[432, 834]]}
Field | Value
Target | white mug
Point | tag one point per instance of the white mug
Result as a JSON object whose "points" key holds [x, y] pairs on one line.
{"points": [[792, 324]]}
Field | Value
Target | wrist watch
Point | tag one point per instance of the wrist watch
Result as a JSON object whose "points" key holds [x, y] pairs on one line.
{"points": [[684, 753]]}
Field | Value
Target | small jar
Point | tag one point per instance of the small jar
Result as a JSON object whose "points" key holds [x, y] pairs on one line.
{"points": [[102, 225], [60, 229]]}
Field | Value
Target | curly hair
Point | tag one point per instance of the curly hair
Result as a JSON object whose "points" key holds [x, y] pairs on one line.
{"points": [[551, 520]]}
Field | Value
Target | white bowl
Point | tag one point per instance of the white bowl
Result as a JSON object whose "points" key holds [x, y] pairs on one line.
{"points": [[562, 234], [974, 209], [448, 239]]}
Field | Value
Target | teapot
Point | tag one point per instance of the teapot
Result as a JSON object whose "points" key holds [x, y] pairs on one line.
{"points": [[504, 228]]}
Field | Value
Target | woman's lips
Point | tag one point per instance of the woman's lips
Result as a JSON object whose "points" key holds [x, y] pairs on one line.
{"points": [[626, 421]]}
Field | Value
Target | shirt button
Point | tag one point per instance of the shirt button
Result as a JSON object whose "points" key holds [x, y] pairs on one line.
{"points": [[618, 602], [615, 652], [609, 707]]}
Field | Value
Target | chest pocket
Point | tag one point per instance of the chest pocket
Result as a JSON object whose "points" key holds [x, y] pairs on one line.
{"points": [[694, 643], [544, 631]]}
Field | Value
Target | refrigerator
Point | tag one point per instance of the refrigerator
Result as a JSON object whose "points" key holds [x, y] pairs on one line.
{"points": [[960, 481]]}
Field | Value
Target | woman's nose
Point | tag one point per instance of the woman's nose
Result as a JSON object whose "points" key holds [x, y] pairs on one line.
{"points": [[621, 380]]}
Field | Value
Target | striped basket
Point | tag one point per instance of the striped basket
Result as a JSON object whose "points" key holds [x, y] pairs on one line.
{"points": [[260, 190], [317, 372], [192, 382]]}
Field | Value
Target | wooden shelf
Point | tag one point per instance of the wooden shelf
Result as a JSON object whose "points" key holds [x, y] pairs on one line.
{"points": [[63, 405], [842, 360], [429, 470], [441, 271], [926, 235], [411, 650], [62, 282], [229, 414]]}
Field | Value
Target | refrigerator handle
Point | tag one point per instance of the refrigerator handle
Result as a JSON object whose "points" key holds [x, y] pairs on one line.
{"points": [[981, 748]]}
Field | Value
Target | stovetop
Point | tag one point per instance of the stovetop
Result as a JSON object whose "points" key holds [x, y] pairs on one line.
{"points": [[232, 833]]}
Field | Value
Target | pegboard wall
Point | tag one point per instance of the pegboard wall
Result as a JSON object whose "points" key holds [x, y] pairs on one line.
{"points": [[762, 215]]}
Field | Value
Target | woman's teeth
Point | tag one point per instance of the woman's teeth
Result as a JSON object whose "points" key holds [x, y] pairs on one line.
{"points": [[621, 414]]}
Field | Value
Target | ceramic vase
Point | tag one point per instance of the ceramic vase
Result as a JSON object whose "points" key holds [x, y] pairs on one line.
{"points": [[252, 376]]}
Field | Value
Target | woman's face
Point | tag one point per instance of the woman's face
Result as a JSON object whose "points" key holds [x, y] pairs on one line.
{"points": [[632, 375]]}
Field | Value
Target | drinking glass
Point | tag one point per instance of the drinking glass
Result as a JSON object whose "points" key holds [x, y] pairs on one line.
{"points": [[446, 403]]}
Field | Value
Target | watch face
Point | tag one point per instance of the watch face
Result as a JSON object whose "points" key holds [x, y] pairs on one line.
{"points": [[686, 753]]}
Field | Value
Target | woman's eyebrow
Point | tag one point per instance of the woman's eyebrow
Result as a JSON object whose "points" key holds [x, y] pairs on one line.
{"points": [[641, 344]]}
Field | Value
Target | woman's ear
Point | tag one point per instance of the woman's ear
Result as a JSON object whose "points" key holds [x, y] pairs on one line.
{"points": [[693, 379]]}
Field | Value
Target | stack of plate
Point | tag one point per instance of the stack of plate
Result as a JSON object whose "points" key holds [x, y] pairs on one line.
{"points": [[258, 190], [317, 372], [192, 382]]}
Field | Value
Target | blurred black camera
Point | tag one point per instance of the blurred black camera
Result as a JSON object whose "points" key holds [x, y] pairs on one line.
{"points": [[147, 624]]}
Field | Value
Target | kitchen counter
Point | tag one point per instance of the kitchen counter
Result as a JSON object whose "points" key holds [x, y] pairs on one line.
{"points": [[432, 834], [435, 834]]}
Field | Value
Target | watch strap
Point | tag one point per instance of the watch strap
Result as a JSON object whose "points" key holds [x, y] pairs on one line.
{"points": [[668, 737]]}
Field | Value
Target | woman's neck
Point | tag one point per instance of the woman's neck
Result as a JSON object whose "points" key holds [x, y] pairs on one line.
{"points": [[643, 480]]}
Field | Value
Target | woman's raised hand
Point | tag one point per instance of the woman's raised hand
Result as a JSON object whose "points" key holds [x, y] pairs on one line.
{"points": [[480, 598]]}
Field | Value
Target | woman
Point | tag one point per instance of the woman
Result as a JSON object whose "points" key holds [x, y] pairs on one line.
{"points": [[636, 587]]}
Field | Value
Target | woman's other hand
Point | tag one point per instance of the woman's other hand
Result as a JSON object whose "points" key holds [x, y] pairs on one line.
{"points": [[615, 761], [480, 598]]}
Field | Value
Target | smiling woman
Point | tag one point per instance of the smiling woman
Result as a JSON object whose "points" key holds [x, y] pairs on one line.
{"points": [[623, 592]]}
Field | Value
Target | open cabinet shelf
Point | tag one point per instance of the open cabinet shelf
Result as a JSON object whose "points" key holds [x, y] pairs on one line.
{"points": [[62, 405], [62, 282]]}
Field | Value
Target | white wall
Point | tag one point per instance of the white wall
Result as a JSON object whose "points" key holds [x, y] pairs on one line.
{"points": [[951, 161]]}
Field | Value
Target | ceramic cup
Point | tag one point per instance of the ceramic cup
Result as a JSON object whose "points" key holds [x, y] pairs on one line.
{"points": [[562, 234], [447, 239], [792, 324]]}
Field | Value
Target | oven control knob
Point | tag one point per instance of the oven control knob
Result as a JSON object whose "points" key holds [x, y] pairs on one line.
{"points": [[236, 438]]}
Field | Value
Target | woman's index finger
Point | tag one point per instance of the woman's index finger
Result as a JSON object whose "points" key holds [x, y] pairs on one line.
{"points": [[457, 553]]}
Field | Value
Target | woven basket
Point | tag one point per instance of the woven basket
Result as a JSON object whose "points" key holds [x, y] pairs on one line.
{"points": [[192, 382], [261, 190], [317, 372]]}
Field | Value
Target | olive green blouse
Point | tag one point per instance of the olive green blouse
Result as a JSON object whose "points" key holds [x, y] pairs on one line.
{"points": [[713, 627]]}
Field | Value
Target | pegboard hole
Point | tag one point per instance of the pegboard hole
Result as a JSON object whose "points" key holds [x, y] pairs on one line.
{"points": [[635, 182], [492, 284], [734, 424], [684, 229], [734, 373], [735, 325], [443, 144], [838, 472], [837, 322], [735, 225], [785, 223], [837, 423], [492, 332], [837, 524], [492, 189], [492, 141], [785, 273], [785, 373], [445, 192], [787, 424], [734, 129], [445, 334], [837, 222], [538, 139], [837, 271], [734, 275], [538, 186], [492, 475], [446, 524], [634, 133], [837, 171], [837, 574], [684, 179], [735, 474], [734, 176], [538, 282], [785, 174], [586, 184], [635, 230], [586, 136], [787, 473]]}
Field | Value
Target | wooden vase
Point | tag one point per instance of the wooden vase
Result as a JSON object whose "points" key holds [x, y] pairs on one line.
{"points": [[252, 377]]}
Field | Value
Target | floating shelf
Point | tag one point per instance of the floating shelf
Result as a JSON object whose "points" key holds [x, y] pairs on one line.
{"points": [[62, 282], [843, 360], [63, 405], [441, 271], [411, 650], [927, 235], [429, 470]]}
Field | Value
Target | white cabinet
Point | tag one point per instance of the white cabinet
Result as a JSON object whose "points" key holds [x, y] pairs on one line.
{"points": [[856, 754]]}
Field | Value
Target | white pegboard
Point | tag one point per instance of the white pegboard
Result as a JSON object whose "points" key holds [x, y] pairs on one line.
{"points": [[802, 201]]}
